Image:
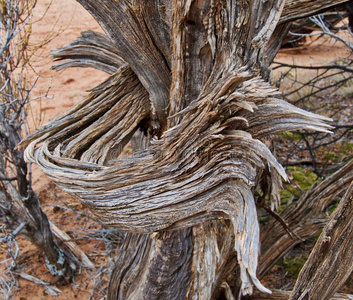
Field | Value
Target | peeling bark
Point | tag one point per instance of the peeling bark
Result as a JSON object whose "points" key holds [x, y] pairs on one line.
{"points": [[330, 262], [284, 295], [92, 49], [276, 242], [304, 8], [192, 75], [134, 43], [22, 204], [145, 268]]}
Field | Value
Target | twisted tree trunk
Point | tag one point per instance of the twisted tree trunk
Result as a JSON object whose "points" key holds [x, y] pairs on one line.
{"points": [[192, 75]]}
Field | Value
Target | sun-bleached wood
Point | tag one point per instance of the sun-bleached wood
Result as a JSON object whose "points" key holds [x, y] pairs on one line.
{"points": [[330, 262], [193, 75], [276, 242]]}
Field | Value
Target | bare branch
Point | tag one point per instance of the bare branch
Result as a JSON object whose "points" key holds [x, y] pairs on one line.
{"points": [[295, 9], [319, 278]]}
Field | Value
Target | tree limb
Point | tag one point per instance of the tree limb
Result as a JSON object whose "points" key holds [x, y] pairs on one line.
{"points": [[330, 262], [296, 9]]}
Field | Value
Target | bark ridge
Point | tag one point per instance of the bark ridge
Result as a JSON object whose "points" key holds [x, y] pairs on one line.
{"points": [[197, 84]]}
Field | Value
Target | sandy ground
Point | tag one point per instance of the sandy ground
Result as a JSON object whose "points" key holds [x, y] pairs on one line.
{"points": [[58, 23], [62, 21]]}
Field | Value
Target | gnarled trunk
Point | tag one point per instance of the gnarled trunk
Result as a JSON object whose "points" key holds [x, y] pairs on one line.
{"points": [[193, 74]]}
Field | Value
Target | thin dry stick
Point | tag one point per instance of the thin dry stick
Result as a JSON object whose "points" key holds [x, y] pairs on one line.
{"points": [[74, 248]]}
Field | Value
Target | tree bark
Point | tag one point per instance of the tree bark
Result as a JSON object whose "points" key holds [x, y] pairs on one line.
{"points": [[304, 8], [284, 295], [330, 262], [276, 242], [192, 74], [25, 206]]}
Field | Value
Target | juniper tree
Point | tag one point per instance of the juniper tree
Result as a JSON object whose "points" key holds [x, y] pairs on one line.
{"points": [[188, 86]]}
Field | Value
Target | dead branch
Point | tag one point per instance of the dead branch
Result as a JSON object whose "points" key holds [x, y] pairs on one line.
{"points": [[73, 247], [51, 289], [306, 217], [320, 278], [284, 295]]}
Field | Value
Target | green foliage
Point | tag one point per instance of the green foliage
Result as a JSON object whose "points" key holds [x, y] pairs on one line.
{"points": [[294, 136], [341, 152], [348, 147], [294, 265], [301, 179]]}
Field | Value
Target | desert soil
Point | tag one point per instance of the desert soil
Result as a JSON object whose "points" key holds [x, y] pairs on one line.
{"points": [[63, 20]]}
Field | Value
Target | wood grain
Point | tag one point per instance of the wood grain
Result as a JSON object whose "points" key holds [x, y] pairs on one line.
{"points": [[193, 76]]}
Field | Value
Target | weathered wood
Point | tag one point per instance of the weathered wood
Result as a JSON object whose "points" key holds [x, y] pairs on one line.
{"points": [[37, 231], [206, 134], [152, 271], [92, 130], [24, 203], [214, 256], [51, 289], [134, 44], [284, 295], [295, 9], [330, 262], [92, 49], [276, 242], [74, 248], [199, 64]]}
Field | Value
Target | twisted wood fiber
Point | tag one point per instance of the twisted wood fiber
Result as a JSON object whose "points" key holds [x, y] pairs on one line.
{"points": [[203, 98], [203, 168]]}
